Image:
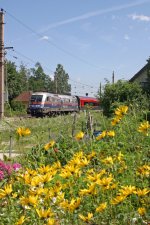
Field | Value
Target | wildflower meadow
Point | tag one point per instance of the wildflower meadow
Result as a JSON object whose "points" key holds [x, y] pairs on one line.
{"points": [[69, 172]]}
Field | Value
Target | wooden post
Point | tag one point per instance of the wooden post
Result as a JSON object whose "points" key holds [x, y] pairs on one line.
{"points": [[90, 123], [74, 124], [1, 64], [10, 146]]}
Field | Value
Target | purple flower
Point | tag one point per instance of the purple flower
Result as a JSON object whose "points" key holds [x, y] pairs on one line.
{"points": [[2, 165], [9, 169], [16, 166], [1, 175]]}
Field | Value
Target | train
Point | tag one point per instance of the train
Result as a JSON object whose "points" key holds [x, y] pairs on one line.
{"points": [[46, 104]]}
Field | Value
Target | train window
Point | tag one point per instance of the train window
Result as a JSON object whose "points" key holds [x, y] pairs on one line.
{"points": [[53, 99], [36, 98], [48, 99], [88, 103]]}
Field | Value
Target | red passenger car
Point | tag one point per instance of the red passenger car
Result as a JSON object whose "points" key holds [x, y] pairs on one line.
{"points": [[85, 102]]}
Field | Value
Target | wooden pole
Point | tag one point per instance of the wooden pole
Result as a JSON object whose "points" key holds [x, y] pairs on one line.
{"points": [[1, 64]]}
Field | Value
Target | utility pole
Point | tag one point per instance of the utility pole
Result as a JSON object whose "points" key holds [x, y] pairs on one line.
{"points": [[56, 84], [1, 64], [113, 77], [100, 90]]}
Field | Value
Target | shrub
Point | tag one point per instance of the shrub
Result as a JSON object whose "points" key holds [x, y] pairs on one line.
{"points": [[17, 106], [122, 92]]}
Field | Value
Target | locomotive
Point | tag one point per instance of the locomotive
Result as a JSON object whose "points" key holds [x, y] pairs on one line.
{"points": [[46, 104]]}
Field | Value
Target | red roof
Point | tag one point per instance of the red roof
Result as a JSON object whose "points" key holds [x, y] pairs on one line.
{"points": [[24, 96]]}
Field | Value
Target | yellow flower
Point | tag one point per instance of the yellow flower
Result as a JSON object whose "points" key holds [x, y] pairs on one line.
{"points": [[142, 192], [108, 160], [65, 174], [101, 136], [118, 199], [94, 177], [121, 110], [105, 182], [84, 161], [35, 181], [101, 207], [116, 120], [91, 155], [64, 204], [144, 128], [127, 190], [111, 133], [141, 211], [42, 213], [144, 170], [24, 201], [20, 221], [46, 177], [86, 218], [44, 169], [49, 145], [51, 221], [91, 190], [6, 191], [119, 156], [22, 131], [79, 135], [32, 200], [72, 205]]}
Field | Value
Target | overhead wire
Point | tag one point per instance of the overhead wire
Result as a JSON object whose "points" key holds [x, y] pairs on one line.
{"points": [[26, 57], [50, 42]]}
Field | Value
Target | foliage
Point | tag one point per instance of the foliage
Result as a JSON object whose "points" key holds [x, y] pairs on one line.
{"points": [[121, 92], [38, 80], [14, 81], [61, 78], [17, 106]]}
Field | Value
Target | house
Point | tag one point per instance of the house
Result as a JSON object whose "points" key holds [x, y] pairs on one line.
{"points": [[24, 98], [142, 76]]}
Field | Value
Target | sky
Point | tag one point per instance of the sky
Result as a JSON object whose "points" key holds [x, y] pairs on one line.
{"points": [[89, 38]]}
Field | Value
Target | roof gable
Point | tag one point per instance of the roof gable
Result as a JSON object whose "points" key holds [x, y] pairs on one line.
{"points": [[138, 74], [24, 96]]}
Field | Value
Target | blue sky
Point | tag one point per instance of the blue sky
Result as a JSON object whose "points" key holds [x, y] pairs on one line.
{"points": [[91, 39]]}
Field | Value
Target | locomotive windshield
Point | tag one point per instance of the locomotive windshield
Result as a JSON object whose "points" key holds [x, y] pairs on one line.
{"points": [[36, 98]]}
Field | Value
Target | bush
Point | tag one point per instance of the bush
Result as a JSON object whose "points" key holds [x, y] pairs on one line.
{"points": [[122, 92], [18, 106]]}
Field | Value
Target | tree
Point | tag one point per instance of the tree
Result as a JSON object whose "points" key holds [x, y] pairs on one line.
{"points": [[14, 81], [24, 75], [38, 80], [60, 83], [120, 92]]}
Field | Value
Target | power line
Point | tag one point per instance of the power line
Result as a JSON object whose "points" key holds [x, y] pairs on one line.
{"points": [[28, 58], [50, 42]]}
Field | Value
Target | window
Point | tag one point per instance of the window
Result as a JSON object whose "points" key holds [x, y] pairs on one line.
{"points": [[36, 98]]}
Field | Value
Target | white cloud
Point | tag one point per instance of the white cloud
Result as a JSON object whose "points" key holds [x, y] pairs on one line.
{"points": [[94, 13], [126, 37], [140, 17], [44, 38]]}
